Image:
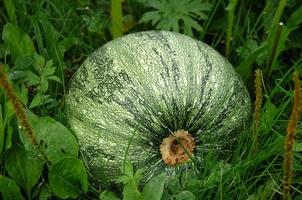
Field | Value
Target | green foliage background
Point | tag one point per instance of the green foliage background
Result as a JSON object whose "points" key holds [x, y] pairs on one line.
{"points": [[45, 41]]}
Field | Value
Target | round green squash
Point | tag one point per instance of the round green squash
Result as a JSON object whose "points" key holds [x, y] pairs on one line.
{"points": [[151, 85]]}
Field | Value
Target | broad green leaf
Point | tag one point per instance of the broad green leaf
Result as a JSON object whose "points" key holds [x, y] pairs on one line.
{"points": [[187, 29], [68, 42], [175, 15], [65, 44], [49, 69], [131, 192], [9, 189], [138, 176], [54, 78], [8, 137], [40, 99], [173, 183], [108, 195], [24, 167], [185, 195], [56, 139], [268, 116], [68, 178], [123, 179], [149, 16], [16, 74], [19, 43], [36, 101], [39, 62], [23, 94], [194, 24], [175, 25], [155, 4], [43, 87], [298, 147], [127, 169], [31, 79], [154, 188], [23, 63]]}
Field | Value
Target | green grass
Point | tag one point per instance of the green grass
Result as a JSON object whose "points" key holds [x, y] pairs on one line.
{"points": [[45, 41]]}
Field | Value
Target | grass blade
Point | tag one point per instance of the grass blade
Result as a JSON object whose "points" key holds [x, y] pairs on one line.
{"points": [[231, 15]]}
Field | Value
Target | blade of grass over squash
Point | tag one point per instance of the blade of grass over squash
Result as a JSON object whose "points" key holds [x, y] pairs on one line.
{"points": [[116, 18], [127, 152]]}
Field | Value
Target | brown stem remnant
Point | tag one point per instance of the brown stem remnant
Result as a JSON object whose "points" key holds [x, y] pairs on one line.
{"points": [[177, 148]]}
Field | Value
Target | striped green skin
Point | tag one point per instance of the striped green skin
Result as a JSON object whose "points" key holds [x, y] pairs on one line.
{"points": [[153, 83]]}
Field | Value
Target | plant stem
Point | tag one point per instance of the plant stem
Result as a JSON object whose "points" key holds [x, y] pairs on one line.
{"points": [[116, 18], [231, 15], [279, 12]]}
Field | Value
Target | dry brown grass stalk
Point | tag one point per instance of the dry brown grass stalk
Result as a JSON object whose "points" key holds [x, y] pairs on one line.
{"points": [[290, 136], [257, 109], [19, 111]]}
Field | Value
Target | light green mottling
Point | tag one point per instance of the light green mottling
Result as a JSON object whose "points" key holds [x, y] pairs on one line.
{"points": [[154, 83]]}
